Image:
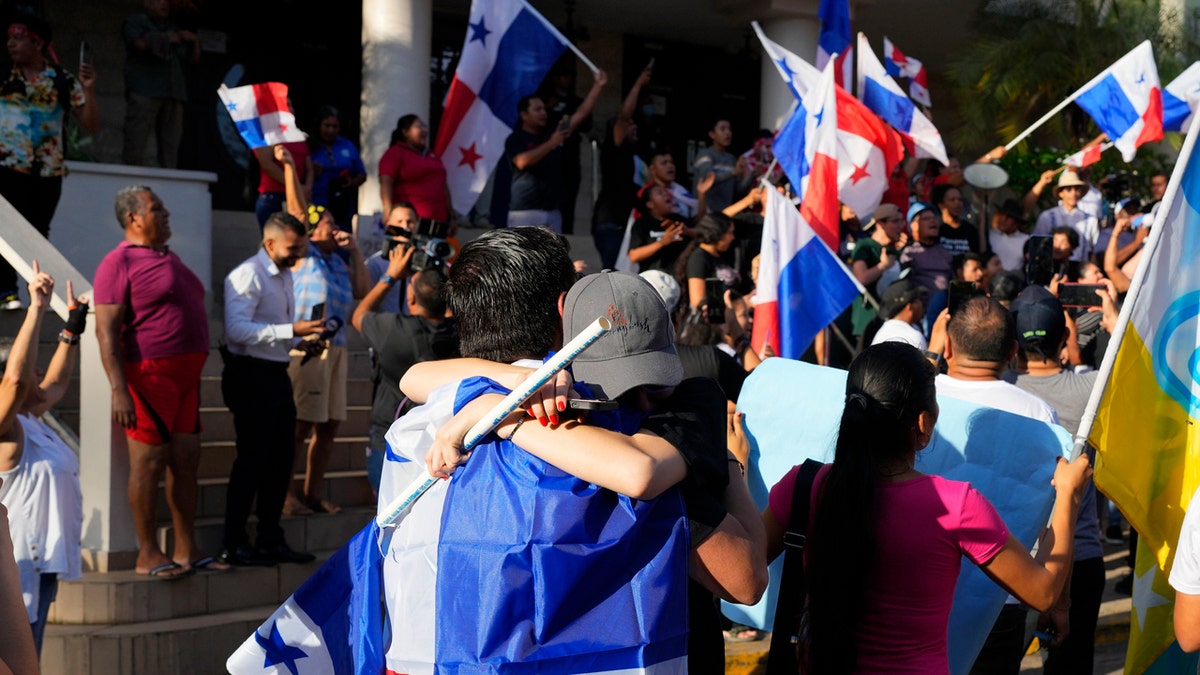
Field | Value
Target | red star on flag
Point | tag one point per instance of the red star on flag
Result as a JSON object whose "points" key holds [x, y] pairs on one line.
{"points": [[469, 156], [860, 172], [283, 127]]}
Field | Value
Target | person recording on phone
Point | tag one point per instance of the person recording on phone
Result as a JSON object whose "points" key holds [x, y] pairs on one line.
{"points": [[260, 328], [424, 333], [325, 284], [535, 151], [35, 103]]}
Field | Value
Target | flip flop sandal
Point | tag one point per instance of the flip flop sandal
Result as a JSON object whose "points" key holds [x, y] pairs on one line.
{"points": [[163, 571], [210, 565]]}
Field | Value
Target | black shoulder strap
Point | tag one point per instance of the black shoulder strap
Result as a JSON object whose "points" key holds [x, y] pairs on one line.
{"points": [[793, 585]]}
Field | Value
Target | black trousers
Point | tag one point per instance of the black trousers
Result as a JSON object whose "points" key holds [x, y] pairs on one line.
{"points": [[259, 394], [1005, 646], [34, 197], [1077, 652]]}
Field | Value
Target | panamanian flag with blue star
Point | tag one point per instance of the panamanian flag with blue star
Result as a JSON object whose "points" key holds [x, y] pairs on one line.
{"points": [[333, 623], [507, 52]]}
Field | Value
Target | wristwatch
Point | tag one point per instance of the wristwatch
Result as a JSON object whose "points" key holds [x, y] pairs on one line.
{"points": [[387, 278], [68, 338]]}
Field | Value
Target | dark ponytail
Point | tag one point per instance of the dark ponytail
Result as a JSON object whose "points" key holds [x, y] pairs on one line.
{"points": [[402, 126], [888, 387]]}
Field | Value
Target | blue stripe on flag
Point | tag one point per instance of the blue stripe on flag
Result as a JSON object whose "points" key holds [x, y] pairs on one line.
{"points": [[525, 55], [789, 148], [813, 291], [894, 109], [1175, 111], [252, 132], [1109, 107], [603, 586]]}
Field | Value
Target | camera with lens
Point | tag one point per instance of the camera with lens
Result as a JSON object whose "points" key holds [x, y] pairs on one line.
{"points": [[429, 240]]}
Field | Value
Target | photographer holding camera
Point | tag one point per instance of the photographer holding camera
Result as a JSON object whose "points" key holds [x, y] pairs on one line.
{"points": [[424, 333]]}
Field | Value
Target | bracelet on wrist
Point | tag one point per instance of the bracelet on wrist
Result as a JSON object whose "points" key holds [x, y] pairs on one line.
{"points": [[514, 429], [68, 338]]}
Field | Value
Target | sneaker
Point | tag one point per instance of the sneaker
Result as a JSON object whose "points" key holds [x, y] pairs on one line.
{"points": [[11, 302]]}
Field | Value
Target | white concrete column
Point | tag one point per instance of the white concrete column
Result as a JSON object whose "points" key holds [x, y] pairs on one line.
{"points": [[798, 34], [109, 541], [397, 40]]}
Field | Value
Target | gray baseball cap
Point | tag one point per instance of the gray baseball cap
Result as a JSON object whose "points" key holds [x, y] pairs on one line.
{"points": [[640, 348]]}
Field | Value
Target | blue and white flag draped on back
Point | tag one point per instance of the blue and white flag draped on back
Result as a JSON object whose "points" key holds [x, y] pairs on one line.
{"points": [[543, 572], [1008, 458]]}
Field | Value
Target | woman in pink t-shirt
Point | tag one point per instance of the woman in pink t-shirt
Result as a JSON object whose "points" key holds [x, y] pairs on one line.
{"points": [[886, 541]]}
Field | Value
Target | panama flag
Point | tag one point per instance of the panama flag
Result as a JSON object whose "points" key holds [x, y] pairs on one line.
{"points": [[508, 50], [836, 38], [1146, 406], [885, 98], [1180, 99], [803, 286], [1125, 101], [261, 114], [899, 65], [333, 623], [514, 566], [1008, 458], [867, 149], [1087, 156]]}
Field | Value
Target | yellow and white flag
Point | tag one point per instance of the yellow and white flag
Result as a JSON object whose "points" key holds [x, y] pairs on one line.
{"points": [[1146, 408]]}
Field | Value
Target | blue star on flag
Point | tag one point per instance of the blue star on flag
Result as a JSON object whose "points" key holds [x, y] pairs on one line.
{"points": [[784, 66], [820, 114], [278, 651], [479, 32], [1141, 78], [231, 105]]}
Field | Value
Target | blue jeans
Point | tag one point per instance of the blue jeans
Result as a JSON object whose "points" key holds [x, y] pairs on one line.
{"points": [[267, 204], [47, 592], [607, 237]]}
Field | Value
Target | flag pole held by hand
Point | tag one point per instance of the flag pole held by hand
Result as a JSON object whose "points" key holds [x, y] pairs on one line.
{"points": [[493, 419]]}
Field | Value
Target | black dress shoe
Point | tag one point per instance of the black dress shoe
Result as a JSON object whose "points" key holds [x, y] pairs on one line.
{"points": [[245, 556], [283, 553]]}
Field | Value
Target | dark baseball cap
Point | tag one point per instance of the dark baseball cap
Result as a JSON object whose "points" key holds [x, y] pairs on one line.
{"points": [[1039, 320], [639, 350], [898, 295]]}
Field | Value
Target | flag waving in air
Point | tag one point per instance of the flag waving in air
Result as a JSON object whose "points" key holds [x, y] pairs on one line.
{"points": [[508, 50], [1180, 99], [1087, 156], [899, 65], [836, 38], [1146, 406], [1125, 101], [885, 98], [802, 285], [867, 149], [261, 113]]}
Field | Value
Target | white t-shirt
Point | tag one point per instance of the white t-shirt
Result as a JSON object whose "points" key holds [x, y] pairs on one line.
{"points": [[997, 394], [1185, 573], [895, 330], [1010, 248]]}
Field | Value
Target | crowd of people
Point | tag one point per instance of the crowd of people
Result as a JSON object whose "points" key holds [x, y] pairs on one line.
{"points": [[962, 300]]}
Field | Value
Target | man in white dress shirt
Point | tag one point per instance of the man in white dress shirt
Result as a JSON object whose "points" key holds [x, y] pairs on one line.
{"points": [[260, 329]]}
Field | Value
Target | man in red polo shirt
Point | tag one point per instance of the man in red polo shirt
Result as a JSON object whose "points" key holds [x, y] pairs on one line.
{"points": [[153, 335]]}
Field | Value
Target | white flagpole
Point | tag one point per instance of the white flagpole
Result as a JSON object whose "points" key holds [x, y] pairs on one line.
{"points": [[570, 45], [1135, 289]]}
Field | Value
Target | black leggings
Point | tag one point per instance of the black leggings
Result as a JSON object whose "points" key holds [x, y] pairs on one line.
{"points": [[34, 197]]}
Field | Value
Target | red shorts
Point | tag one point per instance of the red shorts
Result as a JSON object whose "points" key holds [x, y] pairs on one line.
{"points": [[166, 397]]}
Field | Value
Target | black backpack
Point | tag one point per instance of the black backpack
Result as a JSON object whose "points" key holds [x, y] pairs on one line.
{"points": [[784, 655]]}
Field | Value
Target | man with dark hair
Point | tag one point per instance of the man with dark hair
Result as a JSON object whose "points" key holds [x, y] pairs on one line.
{"points": [[657, 239], [730, 176], [660, 164], [874, 255], [535, 153], [501, 283], [1042, 333], [980, 343], [261, 327], [34, 105], [968, 267], [398, 225], [153, 335], [1065, 245], [399, 341], [1005, 286], [618, 182]]}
